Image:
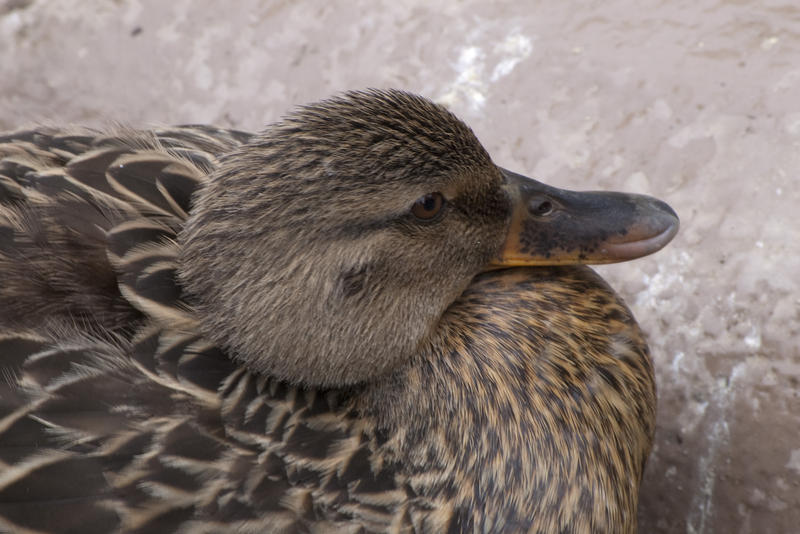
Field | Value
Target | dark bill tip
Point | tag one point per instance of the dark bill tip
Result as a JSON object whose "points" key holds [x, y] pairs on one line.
{"points": [[653, 228]]}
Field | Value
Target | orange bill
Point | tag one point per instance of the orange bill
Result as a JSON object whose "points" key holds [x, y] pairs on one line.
{"points": [[551, 226]]}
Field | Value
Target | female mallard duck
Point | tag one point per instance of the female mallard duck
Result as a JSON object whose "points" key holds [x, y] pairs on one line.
{"points": [[308, 330]]}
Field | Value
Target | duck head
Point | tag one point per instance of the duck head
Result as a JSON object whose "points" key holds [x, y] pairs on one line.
{"points": [[325, 250]]}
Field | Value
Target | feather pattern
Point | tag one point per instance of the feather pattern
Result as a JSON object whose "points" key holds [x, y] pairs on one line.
{"points": [[119, 414]]}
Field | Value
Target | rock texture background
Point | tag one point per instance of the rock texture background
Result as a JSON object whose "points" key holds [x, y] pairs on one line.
{"points": [[695, 102]]}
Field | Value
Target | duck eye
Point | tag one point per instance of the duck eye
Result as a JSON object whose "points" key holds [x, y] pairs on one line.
{"points": [[428, 207]]}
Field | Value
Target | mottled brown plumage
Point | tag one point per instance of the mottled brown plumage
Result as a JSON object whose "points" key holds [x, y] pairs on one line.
{"points": [[293, 350]]}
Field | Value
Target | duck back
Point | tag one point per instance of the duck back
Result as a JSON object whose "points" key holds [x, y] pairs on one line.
{"points": [[61, 194]]}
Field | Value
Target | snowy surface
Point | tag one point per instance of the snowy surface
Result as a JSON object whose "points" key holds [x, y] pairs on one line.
{"points": [[696, 102]]}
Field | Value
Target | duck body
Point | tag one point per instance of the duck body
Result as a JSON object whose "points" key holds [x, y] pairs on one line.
{"points": [[529, 407]]}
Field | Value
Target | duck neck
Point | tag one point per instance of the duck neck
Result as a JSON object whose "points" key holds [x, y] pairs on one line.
{"points": [[517, 395]]}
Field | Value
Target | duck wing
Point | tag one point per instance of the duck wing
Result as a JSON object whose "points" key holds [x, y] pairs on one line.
{"points": [[61, 194], [167, 434]]}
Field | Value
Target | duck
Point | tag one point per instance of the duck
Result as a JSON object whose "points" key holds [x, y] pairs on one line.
{"points": [[353, 321]]}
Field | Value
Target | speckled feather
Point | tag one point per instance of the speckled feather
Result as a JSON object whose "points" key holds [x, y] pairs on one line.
{"points": [[531, 407]]}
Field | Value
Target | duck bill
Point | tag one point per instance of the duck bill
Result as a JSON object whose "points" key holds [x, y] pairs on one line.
{"points": [[551, 226]]}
